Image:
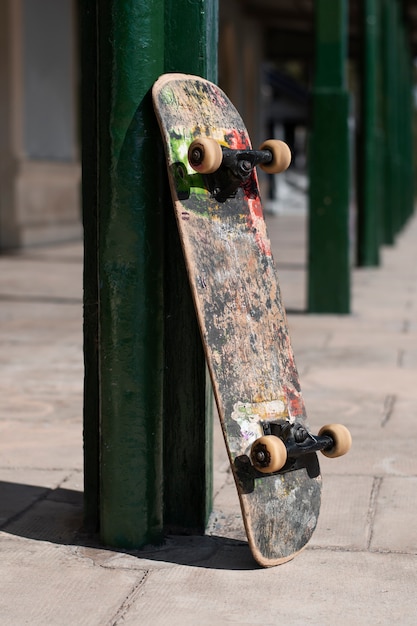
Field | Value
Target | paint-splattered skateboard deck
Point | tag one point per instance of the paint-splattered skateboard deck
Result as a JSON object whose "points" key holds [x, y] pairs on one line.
{"points": [[241, 315]]}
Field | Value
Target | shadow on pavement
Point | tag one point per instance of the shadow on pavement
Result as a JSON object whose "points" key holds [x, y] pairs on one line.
{"points": [[56, 516]]}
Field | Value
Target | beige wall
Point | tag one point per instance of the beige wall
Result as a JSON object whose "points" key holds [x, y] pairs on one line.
{"points": [[39, 197]]}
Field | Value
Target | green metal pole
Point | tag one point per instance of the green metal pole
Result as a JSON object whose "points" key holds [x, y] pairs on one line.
{"points": [[389, 89], [406, 126], [393, 121], [396, 121], [403, 123], [410, 130], [187, 396], [191, 37], [87, 12], [329, 241], [130, 244], [369, 235]]}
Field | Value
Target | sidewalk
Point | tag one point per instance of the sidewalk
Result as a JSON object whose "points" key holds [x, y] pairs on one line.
{"points": [[361, 370]]}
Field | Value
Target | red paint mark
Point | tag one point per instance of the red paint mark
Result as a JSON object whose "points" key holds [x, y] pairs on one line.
{"points": [[213, 94], [256, 223], [238, 140], [256, 207], [295, 403]]}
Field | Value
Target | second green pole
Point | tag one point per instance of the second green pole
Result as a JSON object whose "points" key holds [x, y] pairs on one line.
{"points": [[329, 242]]}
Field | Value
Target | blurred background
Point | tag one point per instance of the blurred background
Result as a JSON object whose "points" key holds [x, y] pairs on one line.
{"points": [[267, 51]]}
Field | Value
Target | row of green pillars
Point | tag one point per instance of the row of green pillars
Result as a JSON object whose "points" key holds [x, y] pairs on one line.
{"points": [[147, 424], [386, 184], [147, 436], [382, 163]]}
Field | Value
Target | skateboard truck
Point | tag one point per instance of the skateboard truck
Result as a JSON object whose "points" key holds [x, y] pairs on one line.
{"points": [[242, 162], [232, 167], [283, 443]]}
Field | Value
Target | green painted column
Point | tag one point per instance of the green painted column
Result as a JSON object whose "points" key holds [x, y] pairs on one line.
{"points": [[187, 396], [191, 37], [406, 126], [397, 197], [128, 244], [390, 95], [133, 340], [370, 163], [409, 138], [329, 242], [398, 122], [402, 125], [89, 135]]}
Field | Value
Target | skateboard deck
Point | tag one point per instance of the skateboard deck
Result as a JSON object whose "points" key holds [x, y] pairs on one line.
{"points": [[241, 316]]}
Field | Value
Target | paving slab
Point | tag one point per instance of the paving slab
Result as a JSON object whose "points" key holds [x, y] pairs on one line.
{"points": [[321, 587], [21, 488], [32, 278], [344, 521], [44, 584], [48, 444], [360, 566], [395, 528]]}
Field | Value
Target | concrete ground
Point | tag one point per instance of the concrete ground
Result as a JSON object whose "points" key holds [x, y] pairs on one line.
{"points": [[361, 565]]}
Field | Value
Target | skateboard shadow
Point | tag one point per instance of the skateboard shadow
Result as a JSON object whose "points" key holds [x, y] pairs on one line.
{"points": [[56, 516]]}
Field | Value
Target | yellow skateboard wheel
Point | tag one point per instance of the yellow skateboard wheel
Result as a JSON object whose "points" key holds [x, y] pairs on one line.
{"points": [[268, 454], [205, 155], [281, 156], [342, 439]]}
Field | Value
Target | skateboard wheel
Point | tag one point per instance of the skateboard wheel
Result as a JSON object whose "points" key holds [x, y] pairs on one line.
{"points": [[281, 156], [342, 439], [205, 155], [268, 454]]}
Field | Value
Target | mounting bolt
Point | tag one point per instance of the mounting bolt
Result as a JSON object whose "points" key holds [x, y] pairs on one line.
{"points": [[261, 455], [300, 435], [196, 156], [245, 166]]}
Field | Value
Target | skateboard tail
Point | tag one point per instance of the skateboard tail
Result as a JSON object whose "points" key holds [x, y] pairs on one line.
{"points": [[280, 511]]}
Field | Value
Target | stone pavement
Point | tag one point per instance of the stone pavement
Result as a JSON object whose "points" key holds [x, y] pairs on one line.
{"points": [[361, 370]]}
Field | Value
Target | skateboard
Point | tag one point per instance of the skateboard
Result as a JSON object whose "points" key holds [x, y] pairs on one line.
{"points": [[214, 188]]}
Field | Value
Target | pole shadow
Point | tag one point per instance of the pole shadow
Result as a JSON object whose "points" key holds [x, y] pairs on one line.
{"points": [[56, 516]]}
